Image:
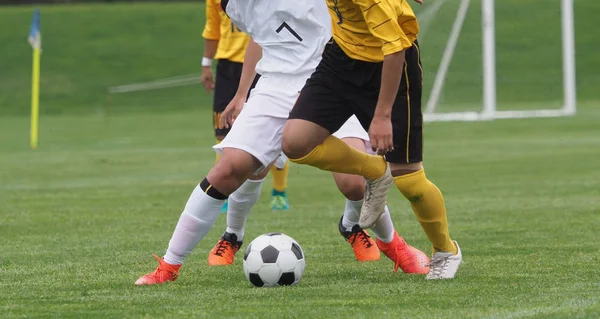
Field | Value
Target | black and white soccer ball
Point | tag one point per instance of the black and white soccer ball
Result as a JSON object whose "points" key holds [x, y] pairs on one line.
{"points": [[274, 259]]}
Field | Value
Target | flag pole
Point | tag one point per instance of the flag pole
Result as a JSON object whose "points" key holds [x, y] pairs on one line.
{"points": [[35, 98], [35, 39]]}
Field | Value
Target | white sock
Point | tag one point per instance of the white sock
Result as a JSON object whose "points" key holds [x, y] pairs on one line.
{"points": [[198, 217], [384, 227], [351, 214], [239, 206]]}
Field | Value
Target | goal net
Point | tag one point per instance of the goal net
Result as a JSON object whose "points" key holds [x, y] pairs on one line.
{"points": [[486, 59]]}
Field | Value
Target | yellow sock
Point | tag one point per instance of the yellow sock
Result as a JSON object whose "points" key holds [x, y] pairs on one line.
{"points": [[280, 177], [428, 204], [336, 156], [218, 156]]}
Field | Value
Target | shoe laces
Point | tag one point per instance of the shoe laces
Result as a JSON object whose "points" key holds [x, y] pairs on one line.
{"points": [[368, 192], [363, 238], [162, 268], [403, 253], [438, 264], [222, 246], [369, 185]]}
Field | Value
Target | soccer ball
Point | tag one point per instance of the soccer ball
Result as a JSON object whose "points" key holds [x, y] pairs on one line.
{"points": [[274, 259]]}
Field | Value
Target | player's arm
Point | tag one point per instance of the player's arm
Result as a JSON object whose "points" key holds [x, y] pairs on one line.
{"points": [[210, 49], [207, 78], [251, 58], [211, 35], [382, 22], [380, 131]]}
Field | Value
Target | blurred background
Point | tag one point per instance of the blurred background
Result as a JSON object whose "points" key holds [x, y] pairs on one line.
{"points": [[90, 46]]}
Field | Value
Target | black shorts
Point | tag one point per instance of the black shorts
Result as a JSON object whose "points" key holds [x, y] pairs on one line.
{"points": [[342, 86], [226, 84]]}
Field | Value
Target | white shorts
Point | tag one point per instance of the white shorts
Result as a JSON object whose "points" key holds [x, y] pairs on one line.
{"points": [[280, 161], [259, 127], [352, 128]]}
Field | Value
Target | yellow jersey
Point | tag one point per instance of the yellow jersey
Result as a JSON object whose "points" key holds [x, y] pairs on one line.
{"points": [[232, 41], [369, 29]]}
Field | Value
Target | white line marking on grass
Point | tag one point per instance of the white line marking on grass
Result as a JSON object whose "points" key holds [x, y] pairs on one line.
{"points": [[427, 17]]}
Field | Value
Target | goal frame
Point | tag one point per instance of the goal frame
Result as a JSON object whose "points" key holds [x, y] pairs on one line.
{"points": [[489, 111]]}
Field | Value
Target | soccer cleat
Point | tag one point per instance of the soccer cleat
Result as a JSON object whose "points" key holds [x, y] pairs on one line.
{"points": [[362, 244], [224, 207], [279, 201], [165, 272], [406, 257], [375, 199], [444, 265], [224, 251]]}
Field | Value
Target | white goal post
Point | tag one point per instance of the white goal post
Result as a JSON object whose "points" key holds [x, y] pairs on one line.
{"points": [[489, 111]]}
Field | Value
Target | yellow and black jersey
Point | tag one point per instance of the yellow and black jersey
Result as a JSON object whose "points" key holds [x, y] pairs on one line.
{"points": [[232, 41], [369, 29]]}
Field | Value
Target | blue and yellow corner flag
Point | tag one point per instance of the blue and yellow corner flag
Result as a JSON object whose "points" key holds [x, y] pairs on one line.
{"points": [[35, 39]]}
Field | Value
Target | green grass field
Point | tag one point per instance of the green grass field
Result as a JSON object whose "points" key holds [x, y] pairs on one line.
{"points": [[81, 216]]}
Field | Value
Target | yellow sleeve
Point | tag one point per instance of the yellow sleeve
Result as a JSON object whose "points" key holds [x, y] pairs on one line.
{"points": [[212, 28], [382, 21]]}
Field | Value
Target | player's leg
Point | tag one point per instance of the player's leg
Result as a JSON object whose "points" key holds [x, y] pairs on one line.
{"points": [[409, 175], [279, 171], [202, 210], [321, 109], [240, 205], [253, 143], [353, 189], [410, 259], [307, 137], [406, 257]]}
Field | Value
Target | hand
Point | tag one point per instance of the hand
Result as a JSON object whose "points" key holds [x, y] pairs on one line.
{"points": [[207, 78], [380, 134], [232, 111]]}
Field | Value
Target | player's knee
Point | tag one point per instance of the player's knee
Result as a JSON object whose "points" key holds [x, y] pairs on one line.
{"points": [[232, 170], [300, 137], [401, 169], [353, 187], [293, 148], [292, 144], [224, 170]]}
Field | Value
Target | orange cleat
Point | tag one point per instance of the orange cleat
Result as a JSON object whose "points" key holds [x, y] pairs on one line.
{"points": [[362, 244], [165, 272], [224, 251], [406, 257]]}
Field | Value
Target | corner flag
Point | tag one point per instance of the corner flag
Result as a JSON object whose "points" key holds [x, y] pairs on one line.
{"points": [[35, 39]]}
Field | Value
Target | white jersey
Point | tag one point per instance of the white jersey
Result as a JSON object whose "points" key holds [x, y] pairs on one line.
{"points": [[292, 34]]}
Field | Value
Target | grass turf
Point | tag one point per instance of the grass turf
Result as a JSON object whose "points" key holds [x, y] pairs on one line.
{"points": [[81, 216]]}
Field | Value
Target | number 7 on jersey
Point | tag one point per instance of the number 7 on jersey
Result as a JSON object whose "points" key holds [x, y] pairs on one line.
{"points": [[290, 30]]}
